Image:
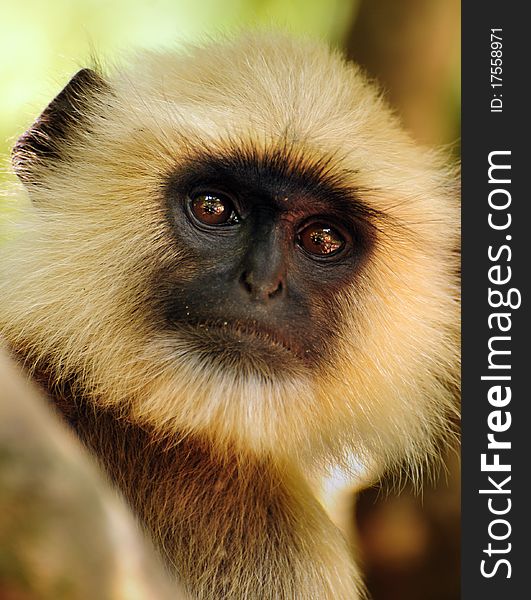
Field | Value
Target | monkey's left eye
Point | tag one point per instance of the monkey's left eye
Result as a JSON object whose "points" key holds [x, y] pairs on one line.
{"points": [[321, 239], [213, 208]]}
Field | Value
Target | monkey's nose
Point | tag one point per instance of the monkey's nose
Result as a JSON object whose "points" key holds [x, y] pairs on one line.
{"points": [[261, 289]]}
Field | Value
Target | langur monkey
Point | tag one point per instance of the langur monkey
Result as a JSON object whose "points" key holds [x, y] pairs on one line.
{"points": [[237, 271]]}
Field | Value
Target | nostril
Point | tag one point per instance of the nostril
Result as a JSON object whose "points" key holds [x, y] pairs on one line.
{"points": [[277, 291], [244, 282]]}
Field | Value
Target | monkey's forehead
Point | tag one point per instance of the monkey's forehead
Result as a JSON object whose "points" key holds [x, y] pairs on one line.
{"points": [[271, 89], [251, 74], [272, 83]]}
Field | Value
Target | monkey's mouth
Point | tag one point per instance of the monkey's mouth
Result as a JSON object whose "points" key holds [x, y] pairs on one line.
{"points": [[239, 339]]}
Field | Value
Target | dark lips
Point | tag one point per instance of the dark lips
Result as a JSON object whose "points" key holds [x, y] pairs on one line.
{"points": [[243, 331]]}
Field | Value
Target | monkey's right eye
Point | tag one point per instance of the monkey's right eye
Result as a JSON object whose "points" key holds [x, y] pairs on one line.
{"points": [[213, 208]]}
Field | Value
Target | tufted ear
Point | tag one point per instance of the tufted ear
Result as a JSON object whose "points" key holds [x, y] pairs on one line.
{"points": [[49, 137]]}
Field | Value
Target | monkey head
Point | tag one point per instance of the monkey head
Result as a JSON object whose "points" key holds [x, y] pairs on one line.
{"points": [[241, 243]]}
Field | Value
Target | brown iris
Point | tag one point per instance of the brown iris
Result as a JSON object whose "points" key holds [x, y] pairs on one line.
{"points": [[321, 239], [212, 208]]}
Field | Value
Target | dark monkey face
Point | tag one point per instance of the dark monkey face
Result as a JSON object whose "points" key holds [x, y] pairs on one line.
{"points": [[273, 242]]}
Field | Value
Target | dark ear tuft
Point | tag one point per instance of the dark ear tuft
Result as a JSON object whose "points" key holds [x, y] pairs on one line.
{"points": [[66, 115]]}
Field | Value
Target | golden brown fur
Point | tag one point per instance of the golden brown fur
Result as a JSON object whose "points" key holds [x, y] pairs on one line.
{"points": [[76, 283]]}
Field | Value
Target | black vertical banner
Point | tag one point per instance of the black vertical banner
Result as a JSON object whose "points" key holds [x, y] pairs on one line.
{"points": [[496, 257]]}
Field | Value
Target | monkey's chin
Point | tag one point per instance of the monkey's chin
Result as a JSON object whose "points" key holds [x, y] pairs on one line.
{"points": [[244, 350], [238, 392]]}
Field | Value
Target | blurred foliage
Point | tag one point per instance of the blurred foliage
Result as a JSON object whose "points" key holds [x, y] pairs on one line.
{"points": [[413, 49]]}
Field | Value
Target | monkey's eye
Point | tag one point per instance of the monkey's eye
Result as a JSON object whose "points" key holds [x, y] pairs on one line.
{"points": [[321, 239], [213, 208]]}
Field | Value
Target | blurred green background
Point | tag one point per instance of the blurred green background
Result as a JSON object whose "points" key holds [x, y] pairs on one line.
{"points": [[411, 46]]}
